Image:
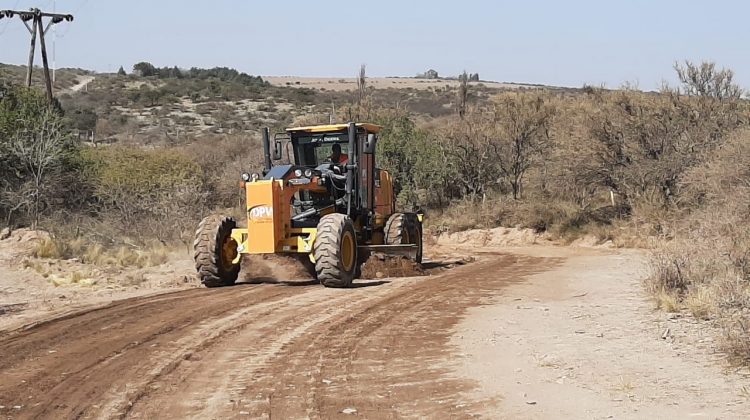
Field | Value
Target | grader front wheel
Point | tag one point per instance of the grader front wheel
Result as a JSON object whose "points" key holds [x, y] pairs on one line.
{"points": [[335, 251], [215, 251]]}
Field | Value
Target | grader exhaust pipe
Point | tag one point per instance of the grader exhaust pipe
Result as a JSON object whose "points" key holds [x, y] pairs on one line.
{"points": [[351, 167], [266, 137]]}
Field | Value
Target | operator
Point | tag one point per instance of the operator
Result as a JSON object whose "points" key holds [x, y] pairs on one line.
{"points": [[336, 156]]}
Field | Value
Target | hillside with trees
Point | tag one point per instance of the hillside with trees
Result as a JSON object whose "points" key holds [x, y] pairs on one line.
{"points": [[144, 156]]}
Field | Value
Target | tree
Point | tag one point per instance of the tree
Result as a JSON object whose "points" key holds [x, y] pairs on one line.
{"points": [[361, 109], [362, 84], [121, 72], [644, 143], [429, 74], [145, 69], [497, 145], [40, 147], [706, 80], [523, 124], [463, 93], [411, 155], [35, 151], [471, 149], [82, 119]]}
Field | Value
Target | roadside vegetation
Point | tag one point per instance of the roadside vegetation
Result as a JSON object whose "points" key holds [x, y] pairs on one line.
{"points": [[137, 159]]}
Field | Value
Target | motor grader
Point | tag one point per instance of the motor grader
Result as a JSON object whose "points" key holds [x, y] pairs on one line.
{"points": [[328, 202]]}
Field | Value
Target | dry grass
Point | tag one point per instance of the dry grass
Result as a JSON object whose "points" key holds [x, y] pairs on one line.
{"points": [[50, 248], [94, 253], [667, 301], [561, 220], [134, 279], [700, 302], [547, 361], [625, 385]]}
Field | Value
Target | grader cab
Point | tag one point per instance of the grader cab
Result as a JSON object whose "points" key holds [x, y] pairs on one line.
{"points": [[329, 200]]}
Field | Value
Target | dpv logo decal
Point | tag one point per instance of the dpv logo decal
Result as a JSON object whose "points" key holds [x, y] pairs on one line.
{"points": [[261, 214]]}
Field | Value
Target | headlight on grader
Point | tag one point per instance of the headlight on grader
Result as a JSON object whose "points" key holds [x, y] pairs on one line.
{"points": [[246, 177], [308, 173], [298, 173]]}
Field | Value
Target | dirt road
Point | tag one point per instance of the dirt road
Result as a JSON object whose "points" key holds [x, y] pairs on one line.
{"points": [[401, 348], [286, 350]]}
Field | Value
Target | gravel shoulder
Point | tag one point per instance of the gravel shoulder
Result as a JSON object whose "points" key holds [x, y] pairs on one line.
{"points": [[583, 340]]}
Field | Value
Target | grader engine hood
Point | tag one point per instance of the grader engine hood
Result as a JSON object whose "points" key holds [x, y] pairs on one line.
{"points": [[266, 216]]}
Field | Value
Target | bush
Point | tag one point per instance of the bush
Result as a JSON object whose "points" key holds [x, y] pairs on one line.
{"points": [[147, 193], [37, 155], [706, 264]]}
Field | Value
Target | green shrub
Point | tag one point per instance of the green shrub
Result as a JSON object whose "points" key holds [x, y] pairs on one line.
{"points": [[155, 192]]}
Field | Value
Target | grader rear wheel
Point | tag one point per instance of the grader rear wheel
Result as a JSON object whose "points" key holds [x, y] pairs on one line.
{"points": [[335, 251], [215, 251], [415, 237], [402, 229], [396, 232]]}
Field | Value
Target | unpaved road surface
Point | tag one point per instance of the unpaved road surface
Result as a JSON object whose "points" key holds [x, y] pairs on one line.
{"points": [[401, 348], [289, 350], [83, 81], [583, 341]]}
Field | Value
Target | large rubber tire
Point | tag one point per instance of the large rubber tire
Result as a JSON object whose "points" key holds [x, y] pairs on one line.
{"points": [[335, 251], [395, 230], [214, 251], [401, 229], [415, 237]]}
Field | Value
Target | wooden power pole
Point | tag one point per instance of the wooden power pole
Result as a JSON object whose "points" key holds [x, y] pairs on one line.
{"points": [[37, 26]]}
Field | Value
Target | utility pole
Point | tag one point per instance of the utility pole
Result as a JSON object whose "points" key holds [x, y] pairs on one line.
{"points": [[36, 17]]}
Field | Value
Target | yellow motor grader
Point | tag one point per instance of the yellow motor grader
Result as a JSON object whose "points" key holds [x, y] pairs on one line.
{"points": [[329, 200]]}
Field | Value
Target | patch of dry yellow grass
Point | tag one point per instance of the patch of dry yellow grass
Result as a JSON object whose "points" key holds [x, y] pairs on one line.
{"points": [[94, 253]]}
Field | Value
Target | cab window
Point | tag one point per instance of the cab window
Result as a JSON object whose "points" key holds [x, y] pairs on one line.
{"points": [[313, 150]]}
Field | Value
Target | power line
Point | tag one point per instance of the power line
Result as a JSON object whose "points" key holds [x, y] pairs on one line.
{"points": [[36, 17], [78, 9], [5, 27], [75, 12]]}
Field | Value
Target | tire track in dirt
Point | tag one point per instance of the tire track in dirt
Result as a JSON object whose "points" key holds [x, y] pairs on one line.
{"points": [[220, 372], [387, 358], [393, 338], [62, 369], [258, 350]]}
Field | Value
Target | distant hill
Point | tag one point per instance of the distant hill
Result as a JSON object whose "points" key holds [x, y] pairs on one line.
{"points": [[65, 78], [339, 84], [174, 105]]}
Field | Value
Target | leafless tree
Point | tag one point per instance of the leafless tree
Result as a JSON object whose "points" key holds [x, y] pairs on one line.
{"points": [[39, 147], [463, 92], [523, 133], [489, 147], [360, 110], [362, 85], [706, 80]]}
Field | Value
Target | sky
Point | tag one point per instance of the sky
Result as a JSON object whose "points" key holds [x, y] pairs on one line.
{"points": [[561, 43]]}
